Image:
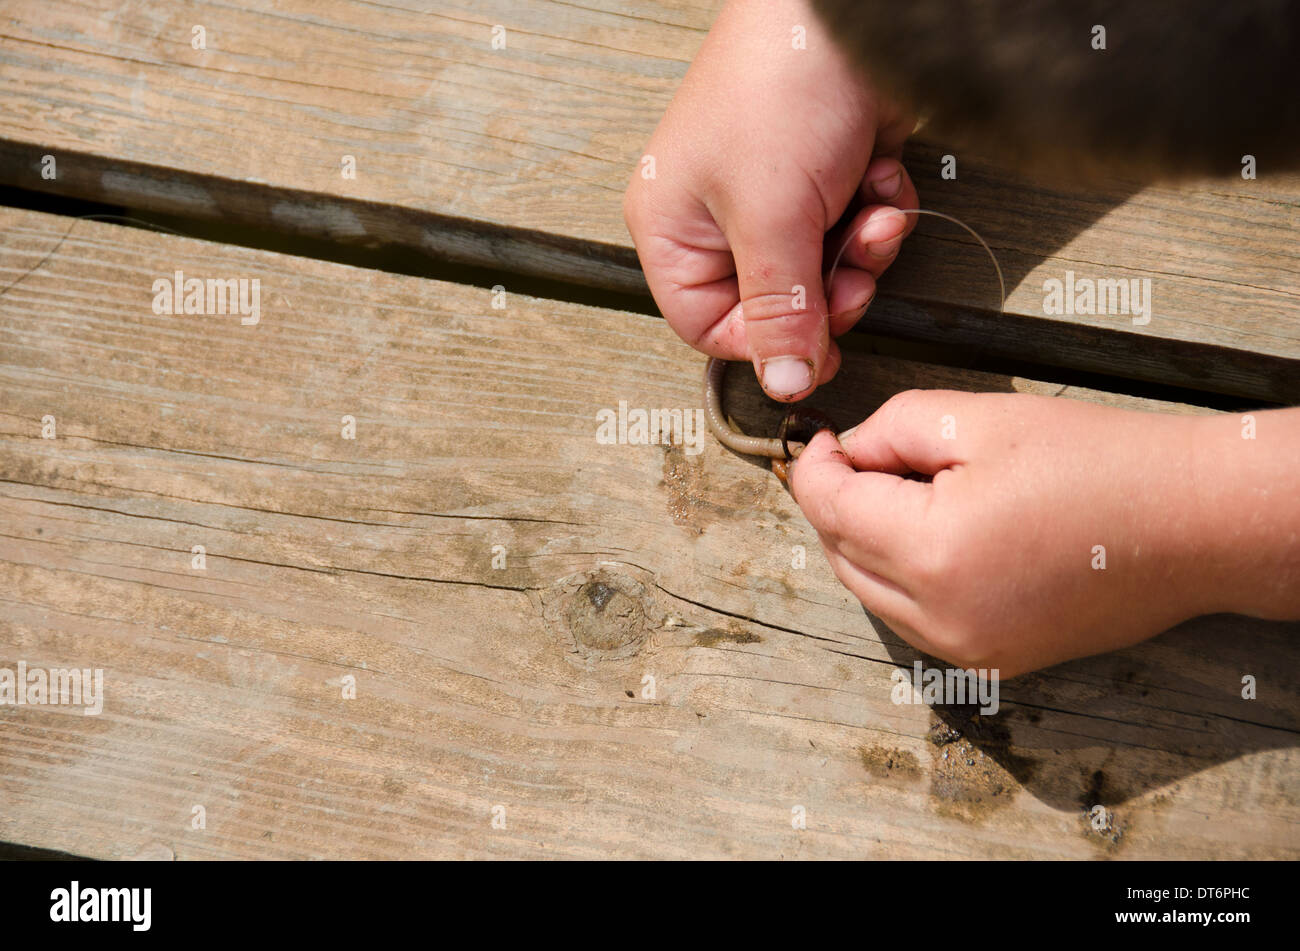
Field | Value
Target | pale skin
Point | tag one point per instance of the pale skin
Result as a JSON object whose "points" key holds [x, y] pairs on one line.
{"points": [[762, 150], [995, 561]]}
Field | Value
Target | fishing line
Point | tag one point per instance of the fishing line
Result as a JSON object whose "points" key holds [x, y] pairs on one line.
{"points": [[937, 214], [800, 424]]}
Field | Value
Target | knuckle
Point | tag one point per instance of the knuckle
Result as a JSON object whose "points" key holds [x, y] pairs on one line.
{"points": [[963, 640], [963, 645], [777, 313], [899, 403]]}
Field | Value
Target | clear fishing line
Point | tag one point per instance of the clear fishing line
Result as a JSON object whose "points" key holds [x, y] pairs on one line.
{"points": [[937, 214]]}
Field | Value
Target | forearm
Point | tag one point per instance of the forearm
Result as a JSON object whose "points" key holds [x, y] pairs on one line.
{"points": [[1247, 488]]}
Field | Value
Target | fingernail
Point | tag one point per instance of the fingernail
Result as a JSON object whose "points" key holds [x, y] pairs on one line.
{"points": [[884, 249], [846, 434], [888, 188], [856, 315], [786, 376]]}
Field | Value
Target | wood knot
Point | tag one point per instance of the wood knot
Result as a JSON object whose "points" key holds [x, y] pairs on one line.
{"points": [[601, 614]]}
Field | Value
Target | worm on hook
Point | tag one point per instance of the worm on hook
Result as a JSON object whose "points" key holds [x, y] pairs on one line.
{"points": [[797, 429], [800, 425]]}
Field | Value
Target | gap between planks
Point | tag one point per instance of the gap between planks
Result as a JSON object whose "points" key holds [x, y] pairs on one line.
{"points": [[773, 690]]}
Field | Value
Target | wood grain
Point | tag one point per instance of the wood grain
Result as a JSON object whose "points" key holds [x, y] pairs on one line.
{"points": [[517, 157], [479, 687]]}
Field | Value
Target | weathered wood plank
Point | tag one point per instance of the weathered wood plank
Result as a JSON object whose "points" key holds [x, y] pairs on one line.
{"points": [[373, 558], [517, 157]]}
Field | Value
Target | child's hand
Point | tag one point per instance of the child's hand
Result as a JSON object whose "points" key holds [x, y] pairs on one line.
{"points": [[997, 562], [762, 150]]}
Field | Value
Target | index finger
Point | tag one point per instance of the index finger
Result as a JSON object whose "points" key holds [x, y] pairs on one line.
{"points": [[870, 515]]}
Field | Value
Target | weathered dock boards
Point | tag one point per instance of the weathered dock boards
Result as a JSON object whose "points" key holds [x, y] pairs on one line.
{"points": [[480, 687], [517, 156]]}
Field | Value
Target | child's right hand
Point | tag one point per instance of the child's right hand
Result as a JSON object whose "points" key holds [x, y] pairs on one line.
{"points": [[763, 149]]}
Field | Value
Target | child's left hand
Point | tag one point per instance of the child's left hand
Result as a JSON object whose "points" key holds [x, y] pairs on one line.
{"points": [[998, 561]]}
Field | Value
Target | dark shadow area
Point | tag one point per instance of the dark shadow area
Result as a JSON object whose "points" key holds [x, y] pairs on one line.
{"points": [[1024, 221], [394, 260], [1093, 732], [1104, 730], [942, 290], [12, 852], [876, 368], [864, 382], [409, 262]]}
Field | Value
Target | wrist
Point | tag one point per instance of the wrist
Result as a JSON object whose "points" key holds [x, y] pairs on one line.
{"points": [[1244, 517]]}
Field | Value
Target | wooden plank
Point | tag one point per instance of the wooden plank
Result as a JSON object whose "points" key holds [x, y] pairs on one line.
{"points": [[517, 158], [479, 687]]}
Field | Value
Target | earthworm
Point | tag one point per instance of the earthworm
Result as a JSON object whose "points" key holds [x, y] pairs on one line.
{"points": [[800, 425], [797, 429]]}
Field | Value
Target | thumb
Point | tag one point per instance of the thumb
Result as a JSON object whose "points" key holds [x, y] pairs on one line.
{"points": [[782, 301], [920, 431]]}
